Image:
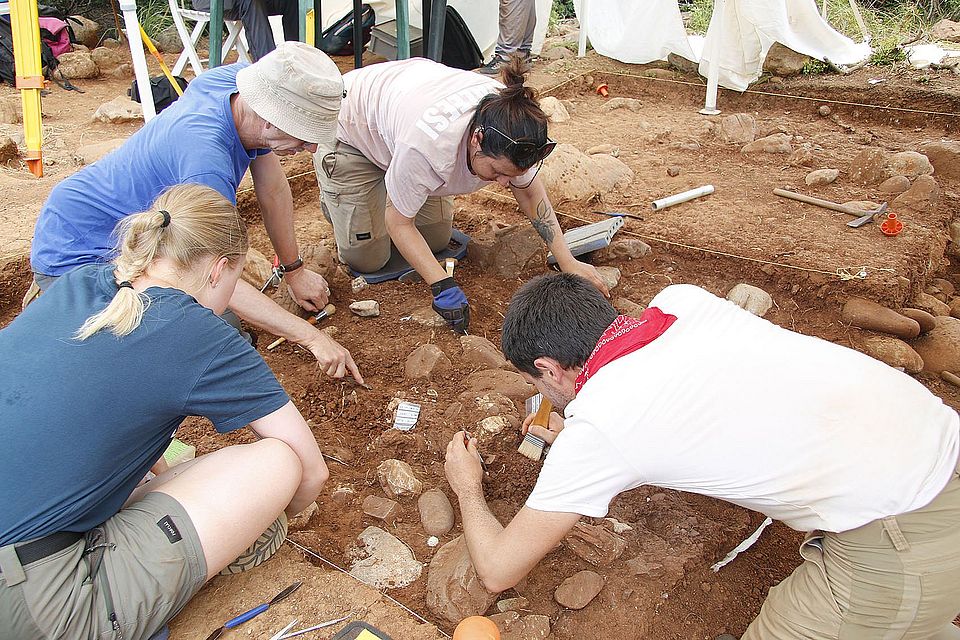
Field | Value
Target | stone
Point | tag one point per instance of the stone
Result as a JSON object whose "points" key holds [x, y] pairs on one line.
{"points": [[610, 276], [869, 167], [509, 383], [302, 519], [424, 361], [570, 174], [803, 156], [493, 425], [85, 31], [923, 194], [106, 59], [783, 61], [397, 479], [597, 545], [928, 303], [821, 177], [603, 149], [454, 590], [631, 104], [955, 308], [894, 352], [257, 269], [940, 348], [169, 40], [491, 404], [944, 155], [673, 171], [384, 562], [77, 65], [556, 53], [381, 508], [358, 284], [862, 205], [824, 110], [427, 317], [436, 512], [508, 250], [867, 314], [739, 128], [10, 112], [896, 184], [946, 30], [554, 109], [910, 164], [776, 143], [343, 495], [513, 604], [945, 286], [927, 321], [682, 64], [8, 149], [622, 249], [90, 153], [480, 352], [753, 299], [118, 111], [579, 590], [514, 627], [628, 307], [365, 308]]}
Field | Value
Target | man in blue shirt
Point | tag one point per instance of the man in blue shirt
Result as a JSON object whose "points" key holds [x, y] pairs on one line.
{"points": [[231, 118]]}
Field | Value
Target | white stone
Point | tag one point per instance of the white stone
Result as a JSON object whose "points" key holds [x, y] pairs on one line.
{"points": [[753, 299], [384, 562], [365, 308]]}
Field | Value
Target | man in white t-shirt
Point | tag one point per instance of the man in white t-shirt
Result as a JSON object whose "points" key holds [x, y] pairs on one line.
{"points": [[699, 395], [410, 135]]}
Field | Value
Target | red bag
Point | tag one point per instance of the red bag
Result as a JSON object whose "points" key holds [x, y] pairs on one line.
{"points": [[55, 33]]}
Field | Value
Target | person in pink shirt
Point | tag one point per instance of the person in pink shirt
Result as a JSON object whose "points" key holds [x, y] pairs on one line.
{"points": [[410, 135]]}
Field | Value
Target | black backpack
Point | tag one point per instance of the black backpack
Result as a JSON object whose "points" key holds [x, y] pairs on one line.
{"points": [[8, 72], [460, 50], [163, 92], [338, 39]]}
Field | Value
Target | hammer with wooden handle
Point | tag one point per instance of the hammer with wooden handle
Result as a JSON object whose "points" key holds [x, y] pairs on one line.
{"points": [[863, 217]]}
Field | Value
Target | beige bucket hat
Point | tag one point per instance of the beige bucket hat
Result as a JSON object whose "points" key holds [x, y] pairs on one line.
{"points": [[297, 89]]}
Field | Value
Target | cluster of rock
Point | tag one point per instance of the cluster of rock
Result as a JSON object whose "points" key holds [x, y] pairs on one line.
{"points": [[908, 175]]}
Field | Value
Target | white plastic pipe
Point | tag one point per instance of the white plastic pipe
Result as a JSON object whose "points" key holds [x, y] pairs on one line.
{"points": [[669, 201], [129, 9], [713, 72], [582, 39]]}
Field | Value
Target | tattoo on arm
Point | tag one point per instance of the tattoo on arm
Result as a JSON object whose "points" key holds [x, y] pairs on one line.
{"points": [[543, 222]]}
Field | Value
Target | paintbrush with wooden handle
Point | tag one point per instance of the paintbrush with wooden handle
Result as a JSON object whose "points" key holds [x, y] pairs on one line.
{"points": [[326, 312], [532, 446]]}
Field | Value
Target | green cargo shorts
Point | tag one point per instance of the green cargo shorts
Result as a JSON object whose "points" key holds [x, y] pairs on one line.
{"points": [[126, 578]]}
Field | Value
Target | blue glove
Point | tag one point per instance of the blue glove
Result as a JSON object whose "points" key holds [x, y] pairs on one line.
{"points": [[450, 303]]}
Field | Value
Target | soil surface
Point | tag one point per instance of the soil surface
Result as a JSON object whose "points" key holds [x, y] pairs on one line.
{"points": [[742, 233]]}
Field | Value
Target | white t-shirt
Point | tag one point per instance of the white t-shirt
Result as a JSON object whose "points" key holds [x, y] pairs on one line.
{"points": [[729, 405], [410, 118]]}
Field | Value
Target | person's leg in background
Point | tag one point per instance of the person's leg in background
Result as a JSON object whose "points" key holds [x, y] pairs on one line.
{"points": [[256, 26], [518, 20], [290, 10]]}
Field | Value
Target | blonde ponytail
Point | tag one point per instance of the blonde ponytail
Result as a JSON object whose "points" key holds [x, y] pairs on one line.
{"points": [[185, 224]]}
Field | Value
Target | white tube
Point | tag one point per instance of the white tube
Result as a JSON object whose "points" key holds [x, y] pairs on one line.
{"points": [[129, 10], [669, 201], [582, 38], [713, 73]]}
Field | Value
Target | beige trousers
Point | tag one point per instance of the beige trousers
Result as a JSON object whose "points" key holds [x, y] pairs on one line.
{"points": [[892, 579], [353, 197]]}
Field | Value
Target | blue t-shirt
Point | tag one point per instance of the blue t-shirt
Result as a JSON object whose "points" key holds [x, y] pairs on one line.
{"points": [[82, 422], [192, 141]]}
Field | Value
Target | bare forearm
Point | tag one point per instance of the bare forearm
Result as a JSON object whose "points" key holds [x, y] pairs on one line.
{"points": [[276, 205], [482, 530], [265, 314], [535, 204], [404, 233]]}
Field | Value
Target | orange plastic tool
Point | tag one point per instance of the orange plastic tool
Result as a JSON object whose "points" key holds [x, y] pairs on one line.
{"points": [[891, 226]]}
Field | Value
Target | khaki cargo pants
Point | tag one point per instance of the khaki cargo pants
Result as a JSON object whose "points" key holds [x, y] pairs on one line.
{"points": [[353, 197], [892, 579]]}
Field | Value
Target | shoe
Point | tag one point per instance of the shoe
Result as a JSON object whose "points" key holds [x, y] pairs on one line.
{"points": [[492, 68], [264, 547]]}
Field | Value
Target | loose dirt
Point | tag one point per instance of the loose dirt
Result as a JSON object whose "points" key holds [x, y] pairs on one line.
{"points": [[742, 233]]}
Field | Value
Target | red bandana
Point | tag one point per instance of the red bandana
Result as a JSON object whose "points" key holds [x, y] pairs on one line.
{"points": [[624, 335]]}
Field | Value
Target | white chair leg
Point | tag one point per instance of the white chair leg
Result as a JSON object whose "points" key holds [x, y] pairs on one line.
{"points": [[233, 40]]}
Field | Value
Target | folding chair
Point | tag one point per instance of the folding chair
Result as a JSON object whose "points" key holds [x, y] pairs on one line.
{"points": [[190, 39]]}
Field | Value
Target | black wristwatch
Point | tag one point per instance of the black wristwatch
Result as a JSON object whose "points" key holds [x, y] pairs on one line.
{"points": [[293, 266]]}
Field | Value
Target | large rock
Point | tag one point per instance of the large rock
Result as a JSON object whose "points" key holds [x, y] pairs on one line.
{"points": [[940, 348], [8, 149], [894, 352], [77, 65], [926, 320], [436, 512], [169, 40], [426, 316], [631, 104], [490, 404], [783, 61], [424, 361], [478, 351], [257, 269], [85, 31], [454, 590], [507, 251], [739, 128], [597, 545], [923, 194], [896, 184], [397, 479], [910, 164], [508, 383], [578, 590], [946, 30], [821, 177], [381, 508], [384, 562], [753, 299], [365, 308], [944, 155], [866, 314], [118, 111], [776, 143], [622, 249], [554, 109], [930, 304], [570, 174], [107, 60], [869, 167]]}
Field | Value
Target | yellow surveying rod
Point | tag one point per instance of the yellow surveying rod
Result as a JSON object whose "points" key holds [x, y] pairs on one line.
{"points": [[26, 45], [163, 65]]}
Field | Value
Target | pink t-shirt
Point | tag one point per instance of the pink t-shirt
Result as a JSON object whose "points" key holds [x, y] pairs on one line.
{"points": [[410, 118]]}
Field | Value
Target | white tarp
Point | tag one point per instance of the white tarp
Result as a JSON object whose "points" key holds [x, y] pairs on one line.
{"points": [[636, 31]]}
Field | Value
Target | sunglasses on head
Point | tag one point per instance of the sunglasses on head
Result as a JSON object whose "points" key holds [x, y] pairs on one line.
{"points": [[525, 149]]}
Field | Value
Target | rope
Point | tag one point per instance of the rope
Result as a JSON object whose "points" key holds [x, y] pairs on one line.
{"points": [[316, 555], [864, 105], [843, 273]]}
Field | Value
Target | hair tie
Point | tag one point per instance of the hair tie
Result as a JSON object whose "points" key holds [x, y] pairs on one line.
{"points": [[166, 218], [124, 285]]}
